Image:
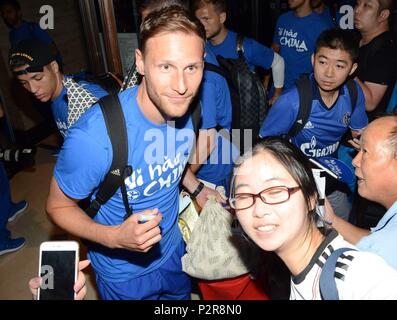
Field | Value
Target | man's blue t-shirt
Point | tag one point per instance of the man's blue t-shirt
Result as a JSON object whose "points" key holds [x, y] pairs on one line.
{"points": [[383, 237], [255, 54], [216, 112], [297, 39], [158, 155], [60, 106], [29, 30], [326, 15], [325, 127]]}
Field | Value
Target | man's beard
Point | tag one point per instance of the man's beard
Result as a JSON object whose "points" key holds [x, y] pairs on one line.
{"points": [[216, 33]]}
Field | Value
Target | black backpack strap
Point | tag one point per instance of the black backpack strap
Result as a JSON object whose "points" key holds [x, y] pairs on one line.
{"points": [[214, 68], [328, 287], [351, 86], [240, 45], [119, 171], [196, 117], [304, 86]]}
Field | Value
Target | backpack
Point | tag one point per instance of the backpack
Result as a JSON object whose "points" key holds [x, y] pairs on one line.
{"points": [[304, 86], [107, 81], [119, 169], [247, 92], [328, 287]]}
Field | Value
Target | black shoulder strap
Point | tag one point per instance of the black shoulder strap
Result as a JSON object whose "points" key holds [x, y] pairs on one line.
{"points": [[304, 86], [114, 179], [240, 45], [214, 68], [351, 86], [196, 117], [328, 287]]}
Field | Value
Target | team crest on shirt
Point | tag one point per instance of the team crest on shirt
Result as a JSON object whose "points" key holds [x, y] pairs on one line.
{"points": [[133, 194], [346, 118]]}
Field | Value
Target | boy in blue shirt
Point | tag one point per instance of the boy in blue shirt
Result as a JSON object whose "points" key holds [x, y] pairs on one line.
{"points": [[221, 41], [38, 72], [331, 114], [134, 260]]}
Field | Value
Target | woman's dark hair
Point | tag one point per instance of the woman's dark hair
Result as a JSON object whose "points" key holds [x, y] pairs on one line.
{"points": [[341, 39], [293, 160]]}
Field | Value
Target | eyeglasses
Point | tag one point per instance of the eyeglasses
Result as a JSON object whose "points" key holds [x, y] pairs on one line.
{"points": [[272, 195]]}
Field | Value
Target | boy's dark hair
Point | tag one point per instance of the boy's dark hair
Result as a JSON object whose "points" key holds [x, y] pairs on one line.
{"points": [[13, 3], [170, 19], [219, 5], [338, 39]]}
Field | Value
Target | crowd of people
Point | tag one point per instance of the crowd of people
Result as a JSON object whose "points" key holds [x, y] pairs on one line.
{"points": [[347, 78]]}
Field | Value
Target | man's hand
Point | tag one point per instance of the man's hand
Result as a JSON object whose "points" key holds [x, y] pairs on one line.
{"points": [[276, 95], [136, 236], [202, 197], [355, 143], [79, 287]]}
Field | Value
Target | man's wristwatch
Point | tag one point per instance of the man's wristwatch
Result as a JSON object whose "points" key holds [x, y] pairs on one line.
{"points": [[197, 191]]}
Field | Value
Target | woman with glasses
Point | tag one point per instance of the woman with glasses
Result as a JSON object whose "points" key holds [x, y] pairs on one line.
{"points": [[274, 196]]}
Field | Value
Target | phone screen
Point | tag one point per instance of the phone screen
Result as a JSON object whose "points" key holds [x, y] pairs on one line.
{"points": [[58, 273]]}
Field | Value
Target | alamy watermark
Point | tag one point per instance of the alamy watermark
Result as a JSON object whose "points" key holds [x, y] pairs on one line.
{"points": [[47, 275], [347, 17], [47, 21]]}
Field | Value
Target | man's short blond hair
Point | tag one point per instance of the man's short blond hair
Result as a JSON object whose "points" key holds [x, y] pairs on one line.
{"points": [[171, 19]]}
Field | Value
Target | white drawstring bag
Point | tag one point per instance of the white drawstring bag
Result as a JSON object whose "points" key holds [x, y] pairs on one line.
{"points": [[214, 251]]}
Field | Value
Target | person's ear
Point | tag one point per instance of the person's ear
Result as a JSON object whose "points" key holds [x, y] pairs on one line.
{"points": [[384, 15], [140, 64], [354, 68], [222, 17], [312, 203], [313, 59], [54, 66]]}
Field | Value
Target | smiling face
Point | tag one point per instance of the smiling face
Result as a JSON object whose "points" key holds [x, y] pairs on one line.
{"points": [[332, 67], [276, 227], [376, 167], [172, 65]]}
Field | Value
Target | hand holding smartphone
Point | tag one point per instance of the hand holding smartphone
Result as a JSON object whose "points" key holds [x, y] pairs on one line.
{"points": [[58, 268]]}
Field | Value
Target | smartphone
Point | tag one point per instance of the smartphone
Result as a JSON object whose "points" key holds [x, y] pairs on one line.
{"points": [[58, 267]]}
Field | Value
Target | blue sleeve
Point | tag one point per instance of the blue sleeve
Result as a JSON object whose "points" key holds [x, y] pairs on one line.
{"points": [[41, 34], [208, 100], [282, 115], [258, 54], [83, 162], [359, 119]]}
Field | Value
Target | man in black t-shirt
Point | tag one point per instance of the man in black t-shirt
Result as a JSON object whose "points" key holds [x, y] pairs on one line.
{"points": [[377, 64]]}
